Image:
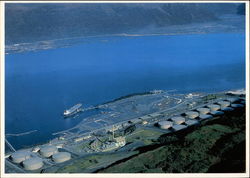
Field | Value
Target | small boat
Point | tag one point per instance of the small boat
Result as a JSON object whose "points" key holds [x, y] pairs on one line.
{"points": [[73, 110]]}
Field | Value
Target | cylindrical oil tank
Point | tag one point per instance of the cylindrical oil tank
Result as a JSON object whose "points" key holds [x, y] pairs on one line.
{"points": [[237, 105], [217, 113], [32, 163], [61, 157], [165, 124], [205, 116], [48, 150], [191, 122], [243, 102], [227, 109], [179, 127], [213, 107], [203, 110], [178, 120], [19, 156], [224, 104], [232, 100], [35, 149], [192, 114]]}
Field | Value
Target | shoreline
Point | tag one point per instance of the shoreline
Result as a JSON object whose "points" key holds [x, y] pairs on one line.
{"points": [[57, 134], [68, 42]]}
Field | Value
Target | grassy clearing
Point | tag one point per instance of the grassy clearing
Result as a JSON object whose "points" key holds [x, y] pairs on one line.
{"points": [[145, 136], [88, 163]]}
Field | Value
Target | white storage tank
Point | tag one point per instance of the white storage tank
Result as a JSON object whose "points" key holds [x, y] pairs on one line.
{"points": [[61, 157], [224, 104], [205, 116], [32, 164], [192, 114], [213, 107], [165, 124], [227, 109], [191, 122], [217, 113], [243, 102], [232, 100], [178, 127], [35, 149], [203, 110], [237, 105], [48, 150], [178, 120], [19, 156]]}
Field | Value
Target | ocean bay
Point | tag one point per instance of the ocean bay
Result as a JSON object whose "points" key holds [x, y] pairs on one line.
{"points": [[108, 68]]}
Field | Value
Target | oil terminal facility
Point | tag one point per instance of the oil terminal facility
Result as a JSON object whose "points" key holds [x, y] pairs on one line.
{"points": [[123, 125]]}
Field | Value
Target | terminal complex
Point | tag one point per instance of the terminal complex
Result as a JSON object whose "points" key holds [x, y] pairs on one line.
{"points": [[122, 126]]}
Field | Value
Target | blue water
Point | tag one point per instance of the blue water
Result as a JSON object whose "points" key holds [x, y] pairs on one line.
{"points": [[40, 85]]}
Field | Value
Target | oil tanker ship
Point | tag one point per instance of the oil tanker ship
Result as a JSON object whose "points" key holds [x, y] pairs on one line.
{"points": [[73, 110]]}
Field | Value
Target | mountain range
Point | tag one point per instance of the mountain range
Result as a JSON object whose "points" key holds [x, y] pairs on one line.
{"points": [[30, 22]]}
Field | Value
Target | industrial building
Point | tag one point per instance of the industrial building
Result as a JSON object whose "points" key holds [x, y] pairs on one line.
{"points": [[121, 141], [61, 157], [111, 145], [20, 156], [178, 120], [48, 150], [192, 114], [32, 163], [78, 139], [165, 124]]}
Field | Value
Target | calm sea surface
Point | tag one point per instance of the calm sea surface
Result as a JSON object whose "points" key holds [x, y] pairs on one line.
{"points": [[40, 85]]}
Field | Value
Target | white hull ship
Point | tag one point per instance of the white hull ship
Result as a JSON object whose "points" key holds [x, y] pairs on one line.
{"points": [[73, 110]]}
